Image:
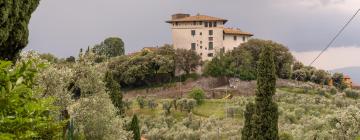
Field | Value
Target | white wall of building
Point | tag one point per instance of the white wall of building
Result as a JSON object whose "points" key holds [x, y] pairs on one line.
{"points": [[182, 38], [229, 42]]}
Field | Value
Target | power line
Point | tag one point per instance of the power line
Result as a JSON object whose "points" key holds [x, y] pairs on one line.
{"points": [[332, 40], [336, 36]]}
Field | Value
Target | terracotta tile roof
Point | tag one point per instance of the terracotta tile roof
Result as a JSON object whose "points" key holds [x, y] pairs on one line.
{"points": [[236, 32], [347, 77], [133, 53], [150, 48], [197, 18]]}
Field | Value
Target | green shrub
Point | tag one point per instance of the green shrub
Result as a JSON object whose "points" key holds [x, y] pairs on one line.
{"points": [[285, 136], [24, 114], [333, 91], [352, 93], [186, 104], [167, 107], [197, 94]]}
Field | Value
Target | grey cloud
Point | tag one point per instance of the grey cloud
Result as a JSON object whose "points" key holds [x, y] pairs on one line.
{"points": [[63, 27]]}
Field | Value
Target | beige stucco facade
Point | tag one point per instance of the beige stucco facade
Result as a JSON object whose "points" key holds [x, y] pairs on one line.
{"points": [[206, 35]]}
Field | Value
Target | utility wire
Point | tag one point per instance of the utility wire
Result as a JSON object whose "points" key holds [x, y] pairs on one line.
{"points": [[336, 36], [332, 40]]}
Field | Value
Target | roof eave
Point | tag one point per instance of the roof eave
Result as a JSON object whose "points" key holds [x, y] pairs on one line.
{"points": [[239, 34], [172, 21]]}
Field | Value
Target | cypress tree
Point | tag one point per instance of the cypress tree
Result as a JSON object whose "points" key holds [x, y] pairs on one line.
{"points": [[135, 128], [14, 19], [265, 119], [113, 89], [262, 123], [246, 133]]}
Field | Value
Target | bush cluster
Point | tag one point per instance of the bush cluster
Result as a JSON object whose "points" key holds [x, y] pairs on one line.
{"points": [[186, 104], [352, 93], [198, 94]]}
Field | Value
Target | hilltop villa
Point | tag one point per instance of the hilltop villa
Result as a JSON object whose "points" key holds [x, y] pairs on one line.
{"points": [[205, 34]]}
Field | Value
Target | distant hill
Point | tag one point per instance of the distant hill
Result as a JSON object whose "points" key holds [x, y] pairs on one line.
{"points": [[353, 72]]}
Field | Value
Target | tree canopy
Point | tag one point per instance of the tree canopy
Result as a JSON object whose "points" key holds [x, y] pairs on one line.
{"points": [[145, 68], [110, 47], [242, 61], [14, 19], [187, 60]]}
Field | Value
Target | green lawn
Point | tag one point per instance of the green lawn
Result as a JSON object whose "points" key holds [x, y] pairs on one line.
{"points": [[211, 107]]}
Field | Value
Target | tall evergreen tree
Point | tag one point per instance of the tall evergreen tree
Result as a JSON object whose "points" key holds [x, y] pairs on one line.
{"points": [[14, 19], [266, 111], [135, 128], [113, 89], [246, 133], [264, 121]]}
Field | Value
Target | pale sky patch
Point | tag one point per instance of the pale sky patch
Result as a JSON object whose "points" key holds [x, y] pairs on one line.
{"points": [[333, 58]]}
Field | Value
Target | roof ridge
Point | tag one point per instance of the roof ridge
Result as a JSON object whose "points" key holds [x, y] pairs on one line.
{"points": [[197, 17]]}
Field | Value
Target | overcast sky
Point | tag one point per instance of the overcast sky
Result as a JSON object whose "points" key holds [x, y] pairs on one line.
{"points": [[62, 27]]}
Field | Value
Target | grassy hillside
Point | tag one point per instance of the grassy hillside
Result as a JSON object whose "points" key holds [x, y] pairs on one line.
{"points": [[303, 115]]}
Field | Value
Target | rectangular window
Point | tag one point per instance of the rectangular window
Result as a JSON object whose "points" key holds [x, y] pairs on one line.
{"points": [[215, 24], [206, 24], [210, 24], [194, 22], [235, 37], [210, 32], [200, 23], [176, 23], [193, 46], [210, 54], [211, 38], [211, 45], [244, 39], [193, 32], [200, 33]]}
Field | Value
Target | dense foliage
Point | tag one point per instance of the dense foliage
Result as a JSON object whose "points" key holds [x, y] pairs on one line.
{"points": [[247, 131], [144, 69], [110, 47], [338, 81], [187, 60], [242, 61], [307, 73], [80, 92], [23, 113], [14, 19], [113, 89], [198, 94]]}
